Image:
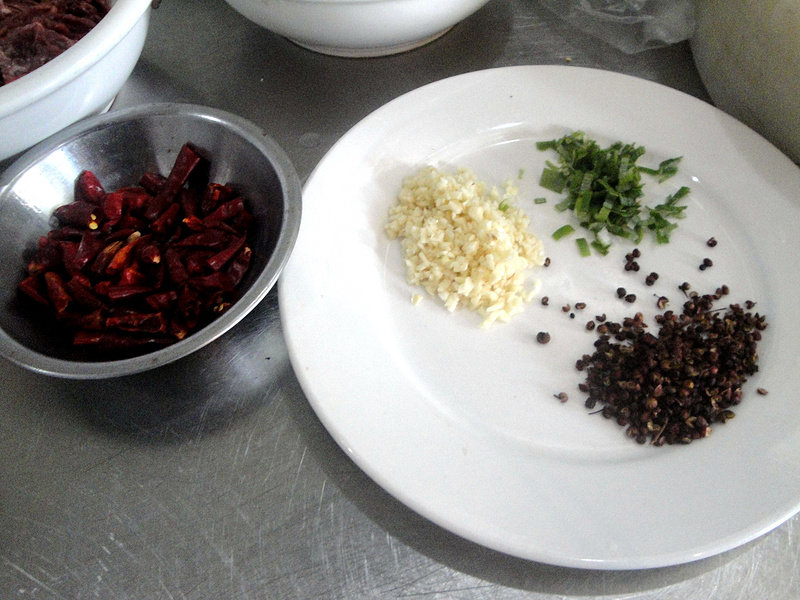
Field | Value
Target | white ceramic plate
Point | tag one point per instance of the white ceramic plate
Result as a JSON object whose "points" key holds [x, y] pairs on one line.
{"points": [[460, 423]]}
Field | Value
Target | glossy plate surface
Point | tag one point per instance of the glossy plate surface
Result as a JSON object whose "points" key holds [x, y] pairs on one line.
{"points": [[460, 423]]}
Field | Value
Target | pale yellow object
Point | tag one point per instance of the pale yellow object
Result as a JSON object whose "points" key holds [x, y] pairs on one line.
{"points": [[465, 243]]}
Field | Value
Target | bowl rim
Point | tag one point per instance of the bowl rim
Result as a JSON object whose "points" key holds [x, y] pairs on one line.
{"points": [[288, 179], [56, 73]]}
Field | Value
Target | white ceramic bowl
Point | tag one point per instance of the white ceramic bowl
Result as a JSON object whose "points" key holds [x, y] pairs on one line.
{"points": [[358, 27], [81, 81]]}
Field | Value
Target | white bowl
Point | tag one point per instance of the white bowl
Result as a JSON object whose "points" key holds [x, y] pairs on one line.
{"points": [[81, 81], [358, 27]]}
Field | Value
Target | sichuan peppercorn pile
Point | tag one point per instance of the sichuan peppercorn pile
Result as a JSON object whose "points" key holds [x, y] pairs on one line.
{"points": [[144, 265], [671, 387]]}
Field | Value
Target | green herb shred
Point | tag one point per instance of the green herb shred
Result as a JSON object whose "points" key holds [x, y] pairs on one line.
{"points": [[562, 231], [604, 189]]}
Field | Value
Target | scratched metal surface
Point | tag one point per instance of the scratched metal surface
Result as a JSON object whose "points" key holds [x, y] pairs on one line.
{"points": [[212, 478]]}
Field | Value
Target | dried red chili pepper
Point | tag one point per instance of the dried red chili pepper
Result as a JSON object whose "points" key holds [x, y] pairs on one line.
{"points": [[56, 292], [88, 248], [221, 258], [185, 163], [88, 188], [215, 194], [189, 202], [80, 288], [162, 300], [113, 204], [32, 287], [145, 264], [210, 238], [131, 275], [121, 257], [194, 223], [152, 182], [164, 223], [78, 213], [175, 267], [240, 265], [104, 257], [224, 211], [138, 322]]}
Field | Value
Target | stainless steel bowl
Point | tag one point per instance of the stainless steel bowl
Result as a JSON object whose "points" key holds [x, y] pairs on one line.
{"points": [[119, 147]]}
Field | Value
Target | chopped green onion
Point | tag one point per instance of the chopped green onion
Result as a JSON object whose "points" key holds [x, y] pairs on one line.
{"points": [[666, 169], [604, 188], [583, 247], [562, 231], [503, 205], [601, 247], [553, 180], [540, 200]]}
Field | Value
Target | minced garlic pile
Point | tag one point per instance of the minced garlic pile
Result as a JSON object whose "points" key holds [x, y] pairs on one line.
{"points": [[467, 245]]}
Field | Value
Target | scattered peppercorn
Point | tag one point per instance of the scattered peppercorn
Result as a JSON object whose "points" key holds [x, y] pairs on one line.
{"points": [[547, 261], [651, 279], [545, 300], [711, 242], [542, 337], [621, 292], [684, 287], [566, 308], [630, 260], [580, 305], [662, 302], [762, 391], [630, 298], [561, 396], [590, 325]]}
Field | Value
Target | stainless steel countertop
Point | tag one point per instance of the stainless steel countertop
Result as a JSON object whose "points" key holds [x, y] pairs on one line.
{"points": [[212, 478]]}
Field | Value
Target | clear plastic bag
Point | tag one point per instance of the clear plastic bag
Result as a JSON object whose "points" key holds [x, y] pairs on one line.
{"points": [[630, 25]]}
